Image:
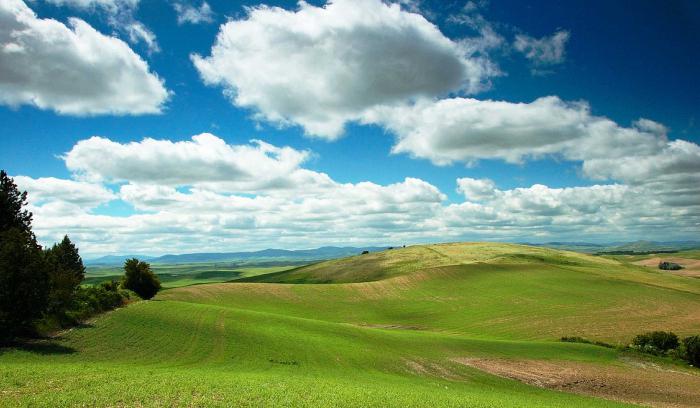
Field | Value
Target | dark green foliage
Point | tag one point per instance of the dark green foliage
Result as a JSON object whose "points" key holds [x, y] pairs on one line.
{"points": [[24, 285], [656, 342], [65, 274], [669, 266], [139, 278], [11, 202], [691, 350], [577, 339], [93, 300], [23, 269]]}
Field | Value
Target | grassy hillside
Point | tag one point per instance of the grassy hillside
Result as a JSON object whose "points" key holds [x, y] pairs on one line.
{"points": [[396, 328]]}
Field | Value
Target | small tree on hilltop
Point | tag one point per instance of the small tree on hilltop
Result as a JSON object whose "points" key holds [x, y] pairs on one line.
{"points": [[66, 272], [139, 278]]}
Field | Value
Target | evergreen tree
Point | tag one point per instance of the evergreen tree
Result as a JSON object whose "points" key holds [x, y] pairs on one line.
{"points": [[23, 283], [23, 269], [66, 273], [139, 278], [11, 202]]}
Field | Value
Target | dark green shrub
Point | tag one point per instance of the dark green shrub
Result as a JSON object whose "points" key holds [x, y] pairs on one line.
{"points": [[577, 339], [692, 350], [669, 266], [139, 278], [93, 300], [656, 342]]}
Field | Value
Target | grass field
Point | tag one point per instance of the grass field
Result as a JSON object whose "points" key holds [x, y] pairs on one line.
{"points": [[175, 276], [407, 327]]}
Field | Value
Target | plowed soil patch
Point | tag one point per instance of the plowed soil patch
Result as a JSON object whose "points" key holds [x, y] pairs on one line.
{"points": [[691, 267], [629, 381]]}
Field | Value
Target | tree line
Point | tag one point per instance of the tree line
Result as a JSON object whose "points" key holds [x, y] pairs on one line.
{"points": [[40, 288]]}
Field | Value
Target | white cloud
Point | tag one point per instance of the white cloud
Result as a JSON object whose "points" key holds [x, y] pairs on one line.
{"points": [[45, 189], [187, 13], [467, 130], [120, 15], [476, 189], [138, 32], [545, 51], [112, 5], [204, 194], [206, 161], [321, 67], [73, 70]]}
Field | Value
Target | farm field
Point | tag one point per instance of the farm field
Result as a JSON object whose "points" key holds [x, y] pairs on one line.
{"points": [[173, 276], [445, 325], [688, 259]]}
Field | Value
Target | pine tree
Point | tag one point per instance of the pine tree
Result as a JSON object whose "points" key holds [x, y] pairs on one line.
{"points": [[66, 273], [24, 283], [11, 202]]}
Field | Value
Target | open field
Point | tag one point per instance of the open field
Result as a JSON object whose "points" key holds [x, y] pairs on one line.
{"points": [[436, 325], [174, 276], [689, 260]]}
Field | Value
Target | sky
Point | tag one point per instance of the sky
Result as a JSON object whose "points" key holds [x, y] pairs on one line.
{"points": [[153, 126]]}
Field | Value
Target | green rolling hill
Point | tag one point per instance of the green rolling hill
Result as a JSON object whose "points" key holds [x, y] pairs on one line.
{"points": [[405, 327]]}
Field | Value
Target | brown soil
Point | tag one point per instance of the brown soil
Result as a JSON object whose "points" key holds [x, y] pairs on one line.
{"points": [[691, 267], [632, 380]]}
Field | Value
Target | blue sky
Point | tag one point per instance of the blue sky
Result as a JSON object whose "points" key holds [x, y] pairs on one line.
{"points": [[624, 60]]}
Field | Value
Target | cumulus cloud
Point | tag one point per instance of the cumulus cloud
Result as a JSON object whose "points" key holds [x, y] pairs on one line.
{"points": [[187, 13], [321, 67], [206, 160], [476, 189], [45, 189], [205, 194], [466, 130], [543, 52], [210, 193], [71, 69]]}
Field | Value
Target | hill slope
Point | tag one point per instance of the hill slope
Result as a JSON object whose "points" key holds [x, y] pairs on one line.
{"points": [[412, 327]]}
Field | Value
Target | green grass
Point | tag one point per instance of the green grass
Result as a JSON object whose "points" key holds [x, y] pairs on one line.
{"points": [[356, 339], [689, 254], [175, 276]]}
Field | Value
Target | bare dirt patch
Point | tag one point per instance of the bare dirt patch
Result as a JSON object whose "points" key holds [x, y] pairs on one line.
{"points": [[691, 267], [631, 380], [426, 368]]}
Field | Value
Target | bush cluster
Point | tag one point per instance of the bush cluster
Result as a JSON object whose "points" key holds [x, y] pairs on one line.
{"points": [[656, 342], [577, 339], [669, 266], [663, 343], [92, 300]]}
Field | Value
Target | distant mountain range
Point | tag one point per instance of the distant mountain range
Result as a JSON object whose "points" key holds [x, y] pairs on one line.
{"points": [[327, 252], [637, 246], [330, 252]]}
